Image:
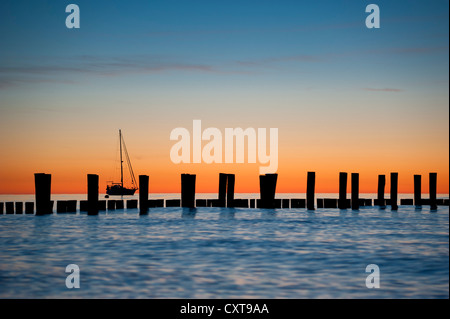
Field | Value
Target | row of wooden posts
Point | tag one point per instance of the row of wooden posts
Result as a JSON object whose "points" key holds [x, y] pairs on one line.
{"points": [[268, 182]]}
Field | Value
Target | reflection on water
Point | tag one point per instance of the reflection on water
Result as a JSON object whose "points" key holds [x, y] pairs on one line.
{"points": [[227, 253]]}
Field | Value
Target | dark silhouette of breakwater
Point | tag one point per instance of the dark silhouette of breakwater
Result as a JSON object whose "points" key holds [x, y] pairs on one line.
{"points": [[267, 200]]}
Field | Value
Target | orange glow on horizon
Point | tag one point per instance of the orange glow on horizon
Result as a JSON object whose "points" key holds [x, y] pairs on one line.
{"points": [[247, 180], [61, 157]]}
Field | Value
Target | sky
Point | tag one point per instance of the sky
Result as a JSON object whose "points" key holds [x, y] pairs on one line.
{"points": [[344, 98]]}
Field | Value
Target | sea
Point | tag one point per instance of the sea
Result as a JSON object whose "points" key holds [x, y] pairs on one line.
{"points": [[226, 253]]}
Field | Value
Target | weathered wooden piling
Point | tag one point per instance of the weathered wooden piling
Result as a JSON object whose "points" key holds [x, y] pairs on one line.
{"points": [[433, 190], [111, 204], [355, 191], [342, 203], [406, 201], [241, 203], [380, 198], [61, 206], [29, 208], [83, 205], [222, 189], [143, 194], [331, 203], [42, 184], [310, 189], [212, 203], [173, 203], [9, 207], [298, 203], [362, 202], [267, 187], [152, 203], [418, 190], [320, 203], [101, 205], [19, 207], [277, 203], [71, 206], [93, 202], [200, 203], [119, 204], [188, 190], [133, 204], [394, 191], [230, 190]]}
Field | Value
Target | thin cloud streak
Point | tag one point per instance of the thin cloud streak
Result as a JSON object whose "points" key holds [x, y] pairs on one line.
{"points": [[383, 90], [57, 72]]}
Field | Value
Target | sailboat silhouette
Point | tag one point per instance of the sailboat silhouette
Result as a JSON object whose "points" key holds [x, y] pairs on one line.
{"points": [[117, 189]]}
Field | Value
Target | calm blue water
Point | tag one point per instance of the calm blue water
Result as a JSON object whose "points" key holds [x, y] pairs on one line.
{"points": [[227, 253]]}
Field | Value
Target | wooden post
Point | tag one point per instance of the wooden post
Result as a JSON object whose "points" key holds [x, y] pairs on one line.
{"points": [[394, 191], [381, 186], [42, 184], [262, 192], [61, 206], [267, 186], [92, 181], [111, 204], [330, 203], [143, 194], [9, 207], [222, 189], [320, 203], [355, 191], [272, 188], [433, 191], [101, 205], [310, 186], [71, 206], [342, 190], [119, 204], [133, 204], [29, 208], [19, 207], [188, 190], [83, 206], [172, 203], [230, 190], [298, 203], [418, 190]]}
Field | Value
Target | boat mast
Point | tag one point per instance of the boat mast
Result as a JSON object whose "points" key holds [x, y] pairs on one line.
{"points": [[130, 168], [121, 162]]}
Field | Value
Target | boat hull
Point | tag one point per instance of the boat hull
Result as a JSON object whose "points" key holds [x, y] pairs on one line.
{"points": [[120, 191]]}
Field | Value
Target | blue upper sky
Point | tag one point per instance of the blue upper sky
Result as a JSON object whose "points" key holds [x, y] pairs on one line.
{"points": [[195, 57], [220, 36]]}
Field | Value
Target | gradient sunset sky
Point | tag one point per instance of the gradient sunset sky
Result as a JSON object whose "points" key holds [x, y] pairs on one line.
{"points": [[343, 97]]}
